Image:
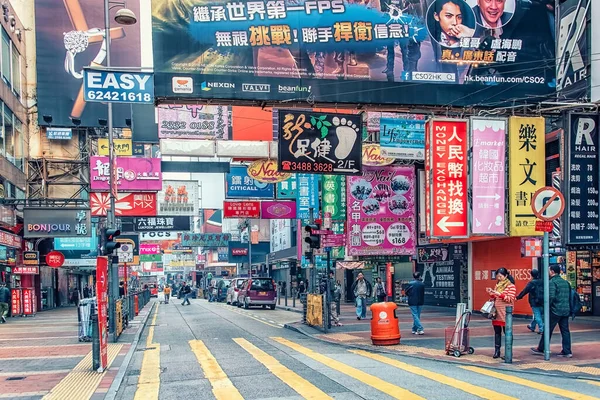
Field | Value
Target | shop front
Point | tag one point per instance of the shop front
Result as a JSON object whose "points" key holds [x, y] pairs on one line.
{"points": [[582, 270]]}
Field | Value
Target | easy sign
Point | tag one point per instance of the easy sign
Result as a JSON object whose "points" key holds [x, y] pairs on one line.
{"points": [[118, 87]]}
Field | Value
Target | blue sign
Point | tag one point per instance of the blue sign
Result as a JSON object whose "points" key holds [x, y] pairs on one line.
{"points": [[59, 133], [242, 186], [307, 196], [77, 243], [582, 181], [287, 189], [402, 138], [117, 86]]}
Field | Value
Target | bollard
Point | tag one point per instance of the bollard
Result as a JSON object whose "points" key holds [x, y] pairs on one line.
{"points": [[95, 343], [508, 335], [294, 297], [286, 297]]}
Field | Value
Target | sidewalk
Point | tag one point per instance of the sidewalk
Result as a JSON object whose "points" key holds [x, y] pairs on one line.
{"points": [[585, 334], [41, 357]]}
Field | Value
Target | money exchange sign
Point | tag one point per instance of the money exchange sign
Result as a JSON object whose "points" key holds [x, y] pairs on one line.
{"points": [[448, 144], [527, 167], [317, 143]]}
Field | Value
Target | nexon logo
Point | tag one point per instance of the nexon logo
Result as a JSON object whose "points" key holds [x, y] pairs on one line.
{"points": [[294, 89], [206, 86], [256, 87]]}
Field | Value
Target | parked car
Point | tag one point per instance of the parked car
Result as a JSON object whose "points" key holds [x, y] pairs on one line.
{"points": [[237, 284], [258, 292], [222, 287]]}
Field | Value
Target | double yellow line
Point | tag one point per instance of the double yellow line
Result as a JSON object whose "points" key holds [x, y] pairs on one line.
{"points": [[149, 380]]}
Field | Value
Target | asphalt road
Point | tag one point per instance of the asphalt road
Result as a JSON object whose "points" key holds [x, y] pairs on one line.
{"points": [[214, 351]]}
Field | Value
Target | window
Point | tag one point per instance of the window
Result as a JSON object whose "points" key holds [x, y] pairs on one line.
{"points": [[16, 72], [6, 58], [9, 139], [19, 145]]}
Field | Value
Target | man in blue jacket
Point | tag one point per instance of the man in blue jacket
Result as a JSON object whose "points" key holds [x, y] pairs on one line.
{"points": [[416, 298]]}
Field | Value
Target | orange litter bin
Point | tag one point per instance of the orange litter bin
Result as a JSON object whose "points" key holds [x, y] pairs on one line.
{"points": [[136, 305], [385, 329]]}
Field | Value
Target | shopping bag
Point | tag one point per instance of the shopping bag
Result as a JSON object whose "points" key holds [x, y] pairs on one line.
{"points": [[488, 307]]}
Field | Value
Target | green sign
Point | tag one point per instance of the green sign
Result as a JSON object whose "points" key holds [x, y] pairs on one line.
{"points": [[150, 257], [287, 189], [334, 196]]}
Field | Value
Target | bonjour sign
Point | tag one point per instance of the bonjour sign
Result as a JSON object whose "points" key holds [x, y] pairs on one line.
{"points": [[57, 222]]}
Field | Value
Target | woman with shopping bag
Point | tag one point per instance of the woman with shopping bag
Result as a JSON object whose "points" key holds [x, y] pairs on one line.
{"points": [[502, 295]]}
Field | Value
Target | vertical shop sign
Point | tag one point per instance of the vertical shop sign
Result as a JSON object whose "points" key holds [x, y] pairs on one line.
{"points": [[527, 171], [448, 141], [27, 301], [102, 296], [381, 212], [488, 170], [15, 302], [334, 196], [428, 215], [307, 195], [582, 180]]}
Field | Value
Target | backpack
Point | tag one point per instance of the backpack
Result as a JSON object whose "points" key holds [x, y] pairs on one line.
{"points": [[538, 292], [575, 303]]}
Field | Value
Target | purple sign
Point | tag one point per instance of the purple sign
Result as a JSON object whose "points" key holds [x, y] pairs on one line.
{"points": [[381, 211], [193, 121], [277, 209], [133, 174], [489, 176]]}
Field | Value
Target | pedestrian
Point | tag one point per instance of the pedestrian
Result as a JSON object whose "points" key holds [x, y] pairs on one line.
{"points": [[338, 300], [211, 296], [300, 288], [122, 289], [4, 301], [361, 289], [333, 293], [560, 309], [185, 291], [502, 295], [535, 290], [75, 297], [415, 291], [379, 291], [86, 292], [167, 293]]}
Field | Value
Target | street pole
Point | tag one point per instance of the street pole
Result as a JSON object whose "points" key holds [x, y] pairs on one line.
{"points": [[249, 249], [329, 299], [312, 270], [546, 256]]}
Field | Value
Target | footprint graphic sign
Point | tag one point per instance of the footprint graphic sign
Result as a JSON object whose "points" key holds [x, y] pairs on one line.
{"points": [[319, 143]]}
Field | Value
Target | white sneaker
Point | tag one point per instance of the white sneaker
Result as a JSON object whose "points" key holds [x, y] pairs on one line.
{"points": [[420, 333]]}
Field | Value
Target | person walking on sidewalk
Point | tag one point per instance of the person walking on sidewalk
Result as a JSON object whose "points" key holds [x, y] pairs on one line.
{"points": [[167, 293], [535, 289], [4, 301], [361, 289], [185, 291], [333, 293], [379, 291], [415, 291], [560, 309], [503, 295]]}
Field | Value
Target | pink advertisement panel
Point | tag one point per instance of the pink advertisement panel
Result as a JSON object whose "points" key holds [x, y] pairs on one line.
{"points": [[193, 121], [277, 209], [132, 174], [149, 248], [381, 211], [489, 176]]}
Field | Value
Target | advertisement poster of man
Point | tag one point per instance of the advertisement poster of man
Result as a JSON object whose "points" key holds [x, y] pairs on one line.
{"points": [[289, 46], [441, 268]]}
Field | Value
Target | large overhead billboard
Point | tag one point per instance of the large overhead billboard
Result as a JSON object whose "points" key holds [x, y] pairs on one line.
{"points": [[354, 52]]}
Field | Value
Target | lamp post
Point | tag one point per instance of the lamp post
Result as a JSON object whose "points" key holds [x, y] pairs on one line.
{"points": [[123, 16]]}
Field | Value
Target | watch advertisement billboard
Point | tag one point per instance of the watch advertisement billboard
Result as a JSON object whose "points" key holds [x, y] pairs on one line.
{"points": [[345, 51]]}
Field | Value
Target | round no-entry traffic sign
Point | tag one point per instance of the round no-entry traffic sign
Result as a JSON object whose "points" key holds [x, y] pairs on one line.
{"points": [[548, 203]]}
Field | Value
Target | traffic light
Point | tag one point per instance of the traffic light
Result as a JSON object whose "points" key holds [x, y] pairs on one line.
{"points": [[110, 245], [313, 240]]}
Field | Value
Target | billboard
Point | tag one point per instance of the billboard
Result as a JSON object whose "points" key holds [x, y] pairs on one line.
{"points": [[488, 171], [441, 267], [239, 185], [381, 212], [178, 198], [56, 222], [402, 138], [327, 51], [583, 192], [307, 195], [527, 167], [70, 36], [333, 198], [277, 209], [194, 121], [133, 173], [126, 204]]}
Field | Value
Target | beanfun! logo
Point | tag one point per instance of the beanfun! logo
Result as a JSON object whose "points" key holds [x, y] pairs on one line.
{"points": [[294, 89], [183, 84]]}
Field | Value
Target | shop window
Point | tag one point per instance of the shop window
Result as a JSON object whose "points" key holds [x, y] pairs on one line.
{"points": [[9, 137], [6, 58], [16, 72], [2, 135]]}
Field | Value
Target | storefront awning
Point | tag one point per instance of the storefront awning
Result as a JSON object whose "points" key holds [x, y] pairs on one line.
{"points": [[349, 265]]}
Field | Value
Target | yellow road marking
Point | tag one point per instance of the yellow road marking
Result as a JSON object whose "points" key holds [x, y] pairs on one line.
{"points": [[304, 388], [595, 383], [391, 390], [531, 384], [149, 380], [250, 316], [222, 387], [443, 379], [82, 381]]}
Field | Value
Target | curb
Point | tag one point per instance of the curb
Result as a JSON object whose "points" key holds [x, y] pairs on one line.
{"points": [[382, 350], [288, 308], [116, 384]]}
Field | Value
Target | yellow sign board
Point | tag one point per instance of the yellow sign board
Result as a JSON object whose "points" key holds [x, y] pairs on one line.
{"points": [[314, 310], [527, 171], [123, 147]]}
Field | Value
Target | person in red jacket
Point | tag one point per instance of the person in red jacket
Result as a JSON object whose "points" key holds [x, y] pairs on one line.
{"points": [[503, 295]]}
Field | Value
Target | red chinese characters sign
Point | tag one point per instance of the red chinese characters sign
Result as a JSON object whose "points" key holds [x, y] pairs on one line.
{"points": [[241, 209], [15, 302], [126, 204], [27, 301], [10, 240], [26, 270], [448, 144], [102, 295]]}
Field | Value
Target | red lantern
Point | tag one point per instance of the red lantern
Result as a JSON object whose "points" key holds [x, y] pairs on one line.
{"points": [[55, 259]]}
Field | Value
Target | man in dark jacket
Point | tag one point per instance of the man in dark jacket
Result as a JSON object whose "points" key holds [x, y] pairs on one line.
{"points": [[415, 291], [535, 288], [560, 309], [4, 301], [185, 291], [362, 289]]}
